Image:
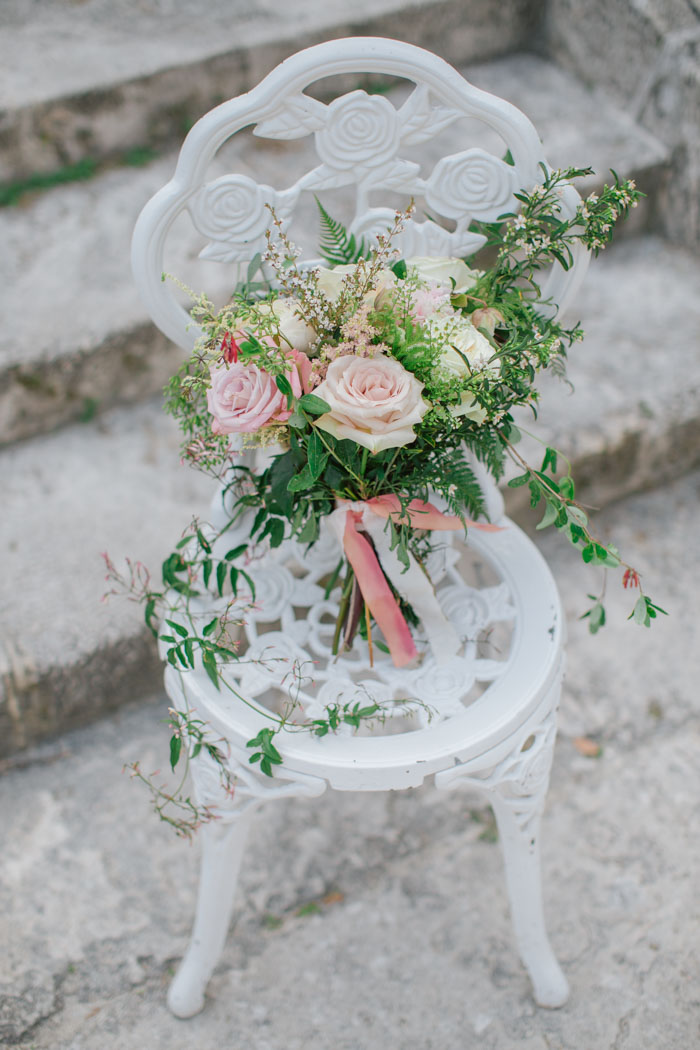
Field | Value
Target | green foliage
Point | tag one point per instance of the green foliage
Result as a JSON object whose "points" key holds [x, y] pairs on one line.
{"points": [[335, 244]]}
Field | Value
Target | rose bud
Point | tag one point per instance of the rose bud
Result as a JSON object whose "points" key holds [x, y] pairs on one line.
{"points": [[488, 318]]}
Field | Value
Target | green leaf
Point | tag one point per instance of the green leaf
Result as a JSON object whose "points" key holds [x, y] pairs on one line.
{"points": [[522, 479], [316, 406], [234, 580], [595, 616], [566, 486], [210, 627], [253, 267], [209, 664], [175, 749], [302, 481], [206, 571], [577, 515], [249, 581], [236, 552], [220, 577], [400, 269], [148, 614], [335, 244], [204, 544], [182, 631], [588, 553], [283, 384], [318, 457], [550, 460], [550, 515], [274, 528], [310, 530]]}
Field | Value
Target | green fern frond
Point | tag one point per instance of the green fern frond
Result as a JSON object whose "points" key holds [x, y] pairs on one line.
{"points": [[336, 246]]}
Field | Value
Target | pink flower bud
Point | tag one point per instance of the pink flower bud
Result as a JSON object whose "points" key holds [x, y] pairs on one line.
{"points": [[488, 318]]}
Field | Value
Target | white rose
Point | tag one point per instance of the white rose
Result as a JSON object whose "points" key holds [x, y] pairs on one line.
{"points": [[444, 270], [470, 343], [297, 333], [374, 402], [469, 408], [330, 282]]}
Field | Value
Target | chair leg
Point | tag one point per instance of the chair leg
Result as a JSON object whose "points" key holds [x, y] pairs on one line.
{"points": [[521, 853], [516, 788], [223, 844]]}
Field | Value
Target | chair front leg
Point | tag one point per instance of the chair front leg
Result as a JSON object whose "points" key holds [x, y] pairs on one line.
{"points": [[516, 788], [223, 843], [519, 833]]}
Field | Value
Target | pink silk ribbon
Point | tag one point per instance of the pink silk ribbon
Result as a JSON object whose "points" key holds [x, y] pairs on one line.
{"points": [[368, 572]]}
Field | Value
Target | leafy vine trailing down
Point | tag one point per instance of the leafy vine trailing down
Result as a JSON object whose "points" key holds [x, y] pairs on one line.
{"points": [[466, 345]]}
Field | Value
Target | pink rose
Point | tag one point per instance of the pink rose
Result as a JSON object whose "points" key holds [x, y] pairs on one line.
{"points": [[243, 399], [374, 402]]}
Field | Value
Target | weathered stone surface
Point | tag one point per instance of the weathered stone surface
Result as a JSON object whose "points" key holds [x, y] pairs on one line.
{"points": [[408, 942], [76, 338], [114, 485], [99, 79], [646, 55], [632, 420]]}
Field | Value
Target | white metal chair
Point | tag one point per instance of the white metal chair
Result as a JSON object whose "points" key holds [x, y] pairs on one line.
{"points": [[493, 712]]}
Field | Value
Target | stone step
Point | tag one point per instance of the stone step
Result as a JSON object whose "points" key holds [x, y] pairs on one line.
{"points": [[115, 484], [94, 81], [82, 340], [647, 57], [633, 421]]}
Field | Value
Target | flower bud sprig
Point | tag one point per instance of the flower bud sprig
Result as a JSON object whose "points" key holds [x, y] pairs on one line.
{"points": [[358, 283], [538, 235], [564, 513], [302, 285]]}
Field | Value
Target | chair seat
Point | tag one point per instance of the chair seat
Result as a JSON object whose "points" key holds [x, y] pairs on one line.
{"points": [[513, 635]]}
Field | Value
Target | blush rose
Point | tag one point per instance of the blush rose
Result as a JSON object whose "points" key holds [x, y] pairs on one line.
{"points": [[374, 402], [243, 398]]}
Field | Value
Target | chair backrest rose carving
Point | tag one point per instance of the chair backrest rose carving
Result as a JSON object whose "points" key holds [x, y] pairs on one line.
{"points": [[359, 141]]}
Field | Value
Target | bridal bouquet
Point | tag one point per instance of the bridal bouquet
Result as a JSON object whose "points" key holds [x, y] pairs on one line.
{"points": [[362, 393]]}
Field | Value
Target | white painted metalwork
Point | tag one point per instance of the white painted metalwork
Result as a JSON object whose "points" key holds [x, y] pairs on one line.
{"points": [[359, 139], [486, 718]]}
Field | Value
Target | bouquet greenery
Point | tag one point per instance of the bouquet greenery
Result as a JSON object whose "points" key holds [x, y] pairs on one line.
{"points": [[372, 386]]}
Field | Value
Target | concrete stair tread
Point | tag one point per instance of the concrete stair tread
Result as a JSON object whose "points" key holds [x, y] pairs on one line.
{"points": [[116, 484], [109, 45], [634, 417], [89, 340], [123, 75], [113, 485]]}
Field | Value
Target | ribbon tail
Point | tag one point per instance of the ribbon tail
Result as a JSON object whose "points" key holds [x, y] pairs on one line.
{"points": [[421, 515], [377, 593], [416, 588]]}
